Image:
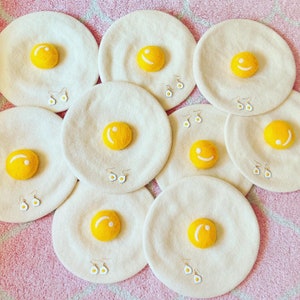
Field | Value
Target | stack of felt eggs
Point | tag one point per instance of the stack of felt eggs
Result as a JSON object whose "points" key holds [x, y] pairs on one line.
{"points": [[200, 236]]}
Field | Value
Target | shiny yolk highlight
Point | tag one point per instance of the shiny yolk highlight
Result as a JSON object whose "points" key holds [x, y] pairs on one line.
{"points": [[279, 134], [204, 154], [22, 164], [151, 58], [105, 225], [244, 64], [44, 56], [202, 233], [117, 135]]}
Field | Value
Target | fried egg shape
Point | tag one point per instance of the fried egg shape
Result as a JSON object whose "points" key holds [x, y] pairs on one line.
{"points": [[43, 60], [198, 148], [135, 49], [266, 148], [244, 67], [86, 137], [189, 270], [83, 254], [35, 177]]}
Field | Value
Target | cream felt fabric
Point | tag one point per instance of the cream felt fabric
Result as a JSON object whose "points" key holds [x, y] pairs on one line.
{"points": [[77, 248], [124, 39], [248, 149], [264, 91], [24, 84], [210, 128], [167, 247], [39, 130], [92, 161]]}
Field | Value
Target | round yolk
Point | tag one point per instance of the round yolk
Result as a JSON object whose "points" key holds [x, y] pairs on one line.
{"points": [[202, 233], [151, 58], [244, 64], [279, 134], [44, 56], [22, 164], [105, 225], [117, 135], [204, 154]]}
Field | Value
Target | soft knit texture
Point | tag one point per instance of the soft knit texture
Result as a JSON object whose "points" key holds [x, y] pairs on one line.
{"points": [[55, 89]]}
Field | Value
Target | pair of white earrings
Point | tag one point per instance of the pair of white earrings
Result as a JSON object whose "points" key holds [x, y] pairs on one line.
{"points": [[114, 177], [241, 106], [95, 269], [179, 85], [257, 170], [60, 96], [197, 119], [24, 206], [188, 270]]}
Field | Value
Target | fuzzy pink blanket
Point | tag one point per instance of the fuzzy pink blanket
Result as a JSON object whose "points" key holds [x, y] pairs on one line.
{"points": [[29, 268]]}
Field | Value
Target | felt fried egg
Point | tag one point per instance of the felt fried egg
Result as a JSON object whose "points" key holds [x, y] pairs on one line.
{"points": [[35, 177], [116, 137], [101, 240], [198, 148], [244, 67], [213, 244], [266, 148], [152, 49], [43, 60]]}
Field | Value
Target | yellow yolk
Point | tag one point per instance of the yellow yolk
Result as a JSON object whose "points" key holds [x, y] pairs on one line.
{"points": [[105, 225], [44, 56], [279, 134], [117, 135], [22, 164], [202, 233], [204, 154], [244, 64], [151, 58]]}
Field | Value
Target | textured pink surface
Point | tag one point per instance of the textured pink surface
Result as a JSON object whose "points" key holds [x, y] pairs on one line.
{"points": [[29, 268]]}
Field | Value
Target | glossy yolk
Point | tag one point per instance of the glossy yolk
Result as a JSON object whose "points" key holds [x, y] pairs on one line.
{"points": [[204, 154], [44, 56], [117, 135], [151, 58], [22, 164], [105, 225], [202, 233], [244, 64], [279, 134]]}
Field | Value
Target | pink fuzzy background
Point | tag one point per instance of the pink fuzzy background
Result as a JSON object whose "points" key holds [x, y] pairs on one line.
{"points": [[29, 268]]}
